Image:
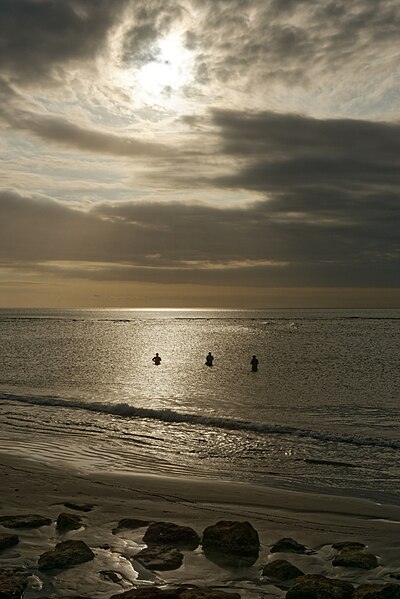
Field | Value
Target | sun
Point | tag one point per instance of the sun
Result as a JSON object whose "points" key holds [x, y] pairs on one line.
{"points": [[161, 81], [171, 69]]}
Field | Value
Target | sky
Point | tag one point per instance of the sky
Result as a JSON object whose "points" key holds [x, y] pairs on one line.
{"points": [[199, 153]]}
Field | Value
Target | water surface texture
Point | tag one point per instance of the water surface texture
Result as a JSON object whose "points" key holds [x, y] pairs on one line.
{"points": [[322, 411]]}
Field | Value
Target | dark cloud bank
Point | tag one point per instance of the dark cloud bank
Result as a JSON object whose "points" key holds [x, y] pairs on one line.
{"points": [[330, 214], [38, 36]]}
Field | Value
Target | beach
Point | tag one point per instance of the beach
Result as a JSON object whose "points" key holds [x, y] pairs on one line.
{"points": [[317, 521], [93, 433]]}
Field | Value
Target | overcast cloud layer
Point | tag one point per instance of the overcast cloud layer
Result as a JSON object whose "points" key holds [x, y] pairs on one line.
{"points": [[226, 143]]}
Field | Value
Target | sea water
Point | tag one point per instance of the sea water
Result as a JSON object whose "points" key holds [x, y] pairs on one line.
{"points": [[79, 387]]}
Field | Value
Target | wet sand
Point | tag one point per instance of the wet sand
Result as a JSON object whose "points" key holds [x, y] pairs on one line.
{"points": [[315, 520]]}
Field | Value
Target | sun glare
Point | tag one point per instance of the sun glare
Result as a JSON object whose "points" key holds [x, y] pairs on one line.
{"points": [[161, 80]]}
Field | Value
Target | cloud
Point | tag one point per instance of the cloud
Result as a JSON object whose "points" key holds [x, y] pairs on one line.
{"points": [[81, 138], [302, 36], [151, 20], [332, 185], [260, 46], [319, 200], [285, 151], [39, 36], [346, 245], [308, 56]]}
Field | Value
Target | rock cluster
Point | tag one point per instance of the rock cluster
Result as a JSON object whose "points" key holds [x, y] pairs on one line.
{"points": [[230, 544]]}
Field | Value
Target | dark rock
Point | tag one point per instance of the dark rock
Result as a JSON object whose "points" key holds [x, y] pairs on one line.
{"points": [[182, 592], [377, 591], [395, 575], [288, 545], [344, 545], [239, 538], [319, 587], [351, 558], [80, 507], [12, 583], [160, 558], [66, 522], [111, 576], [205, 593], [231, 544], [167, 533], [131, 523], [146, 593], [281, 570], [65, 555], [25, 521], [8, 540]]}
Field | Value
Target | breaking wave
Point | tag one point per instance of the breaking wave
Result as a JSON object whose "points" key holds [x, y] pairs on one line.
{"points": [[125, 410]]}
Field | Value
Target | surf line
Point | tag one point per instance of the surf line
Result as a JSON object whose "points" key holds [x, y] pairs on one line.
{"points": [[125, 410]]}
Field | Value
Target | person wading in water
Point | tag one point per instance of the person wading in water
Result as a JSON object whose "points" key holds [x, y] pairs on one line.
{"points": [[157, 360], [254, 364], [209, 359]]}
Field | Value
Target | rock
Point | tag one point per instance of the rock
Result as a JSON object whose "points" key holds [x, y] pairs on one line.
{"points": [[66, 522], [12, 583], [146, 593], [131, 523], [65, 555], [80, 507], [281, 570], [395, 575], [288, 545], [377, 591], [182, 592], [319, 587], [25, 521], [8, 540], [231, 544], [205, 593], [344, 545], [173, 535], [160, 558], [111, 576], [352, 558]]}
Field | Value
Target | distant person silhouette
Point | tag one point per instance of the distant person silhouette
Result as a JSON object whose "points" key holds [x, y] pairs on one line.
{"points": [[157, 360], [254, 364], [209, 359]]}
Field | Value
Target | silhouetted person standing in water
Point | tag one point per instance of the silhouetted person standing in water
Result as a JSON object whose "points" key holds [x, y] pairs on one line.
{"points": [[254, 364], [157, 360], [209, 359]]}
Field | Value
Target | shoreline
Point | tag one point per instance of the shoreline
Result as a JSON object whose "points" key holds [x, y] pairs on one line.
{"points": [[190, 494], [316, 520]]}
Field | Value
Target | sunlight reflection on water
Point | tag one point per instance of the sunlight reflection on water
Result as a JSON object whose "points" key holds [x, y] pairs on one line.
{"points": [[337, 378]]}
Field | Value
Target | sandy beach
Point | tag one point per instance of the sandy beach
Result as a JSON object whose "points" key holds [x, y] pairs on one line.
{"points": [[317, 521]]}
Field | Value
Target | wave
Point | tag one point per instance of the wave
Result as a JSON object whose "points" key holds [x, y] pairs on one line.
{"points": [[125, 410]]}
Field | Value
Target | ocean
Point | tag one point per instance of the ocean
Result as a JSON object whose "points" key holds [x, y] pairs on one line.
{"points": [[79, 388]]}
